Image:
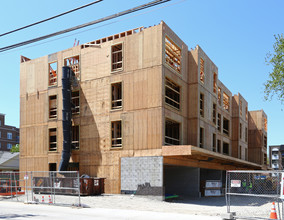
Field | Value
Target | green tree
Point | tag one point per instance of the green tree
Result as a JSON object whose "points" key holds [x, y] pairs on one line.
{"points": [[15, 148], [275, 83]]}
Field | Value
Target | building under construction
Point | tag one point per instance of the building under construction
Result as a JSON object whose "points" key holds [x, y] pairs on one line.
{"points": [[149, 115]]}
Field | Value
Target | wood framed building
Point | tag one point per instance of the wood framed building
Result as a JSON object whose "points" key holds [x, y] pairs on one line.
{"points": [[149, 115]]}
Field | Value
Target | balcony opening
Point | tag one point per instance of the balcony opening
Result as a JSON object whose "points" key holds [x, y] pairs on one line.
{"points": [[201, 105], [219, 122], [52, 106], [215, 83], [214, 142], [201, 137], [225, 148], [226, 102], [76, 102], [214, 113], [116, 57], [52, 76], [116, 134], [226, 126], [52, 139]]}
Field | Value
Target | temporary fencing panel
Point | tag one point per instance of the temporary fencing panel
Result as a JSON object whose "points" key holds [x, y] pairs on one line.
{"points": [[250, 194], [41, 187]]}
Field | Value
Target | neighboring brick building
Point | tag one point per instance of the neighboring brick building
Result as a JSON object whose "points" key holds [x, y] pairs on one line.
{"points": [[148, 113], [9, 135]]}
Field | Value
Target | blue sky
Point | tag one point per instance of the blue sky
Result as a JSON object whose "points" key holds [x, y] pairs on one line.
{"points": [[235, 34]]}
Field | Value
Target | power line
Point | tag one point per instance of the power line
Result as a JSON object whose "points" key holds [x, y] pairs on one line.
{"points": [[56, 16], [93, 28], [138, 8]]}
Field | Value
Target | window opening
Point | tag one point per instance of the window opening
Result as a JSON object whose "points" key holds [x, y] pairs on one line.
{"points": [[214, 114], [9, 146], [214, 142], [246, 154], [74, 64], [201, 104], [75, 97], [201, 137], [240, 152], [246, 134], [241, 130], [226, 125], [172, 133], [219, 95], [265, 124], [246, 113], [75, 137], [219, 146], [265, 159], [225, 148], [265, 141], [214, 82], [173, 54], [202, 75], [52, 76], [52, 139], [53, 106], [116, 57], [226, 102], [241, 107], [52, 167], [219, 122], [116, 135], [172, 92], [116, 96]]}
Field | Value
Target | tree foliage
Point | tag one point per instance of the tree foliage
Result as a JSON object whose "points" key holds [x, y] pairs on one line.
{"points": [[15, 148], [275, 83]]}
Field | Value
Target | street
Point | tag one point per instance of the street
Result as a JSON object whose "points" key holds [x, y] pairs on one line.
{"points": [[15, 210]]}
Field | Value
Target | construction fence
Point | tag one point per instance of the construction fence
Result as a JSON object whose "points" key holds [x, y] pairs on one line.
{"points": [[250, 194], [43, 187]]}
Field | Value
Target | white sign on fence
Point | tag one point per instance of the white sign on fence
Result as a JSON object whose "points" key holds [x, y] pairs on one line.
{"points": [[235, 183]]}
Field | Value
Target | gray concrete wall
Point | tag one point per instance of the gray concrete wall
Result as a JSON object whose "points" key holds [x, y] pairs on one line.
{"points": [[142, 175], [181, 180]]}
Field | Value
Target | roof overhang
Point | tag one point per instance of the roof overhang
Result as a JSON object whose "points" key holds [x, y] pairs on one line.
{"points": [[188, 155]]}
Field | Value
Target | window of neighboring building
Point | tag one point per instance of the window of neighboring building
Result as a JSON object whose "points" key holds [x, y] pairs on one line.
{"points": [[201, 104], [116, 134], [52, 106], [241, 107], [9, 146], [246, 154], [214, 114], [225, 148], [226, 126], [52, 139], [219, 96], [201, 137], [202, 74], [172, 133], [75, 97], [214, 142], [219, 146], [172, 92], [214, 82], [74, 64], [9, 136], [75, 137], [226, 102], [219, 122], [52, 75], [116, 95], [173, 54], [116, 57], [241, 130]]}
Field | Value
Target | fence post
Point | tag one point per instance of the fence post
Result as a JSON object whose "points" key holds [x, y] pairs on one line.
{"points": [[79, 188]]}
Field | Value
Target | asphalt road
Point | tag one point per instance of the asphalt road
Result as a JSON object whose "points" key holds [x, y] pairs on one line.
{"points": [[17, 211]]}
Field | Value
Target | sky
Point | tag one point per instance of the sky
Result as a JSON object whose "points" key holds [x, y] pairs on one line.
{"points": [[235, 34]]}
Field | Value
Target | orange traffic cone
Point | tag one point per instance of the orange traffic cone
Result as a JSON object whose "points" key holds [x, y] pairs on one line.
{"points": [[273, 214], [49, 200]]}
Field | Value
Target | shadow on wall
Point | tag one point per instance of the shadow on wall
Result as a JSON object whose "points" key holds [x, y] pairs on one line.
{"points": [[89, 155]]}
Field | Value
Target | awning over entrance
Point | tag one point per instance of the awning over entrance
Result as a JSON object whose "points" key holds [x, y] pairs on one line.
{"points": [[188, 155]]}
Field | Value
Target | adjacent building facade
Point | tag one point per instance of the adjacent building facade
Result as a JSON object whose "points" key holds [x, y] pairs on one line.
{"points": [[9, 135], [149, 115]]}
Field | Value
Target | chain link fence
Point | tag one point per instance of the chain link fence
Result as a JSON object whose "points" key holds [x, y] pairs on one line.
{"points": [[250, 193], [41, 187]]}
